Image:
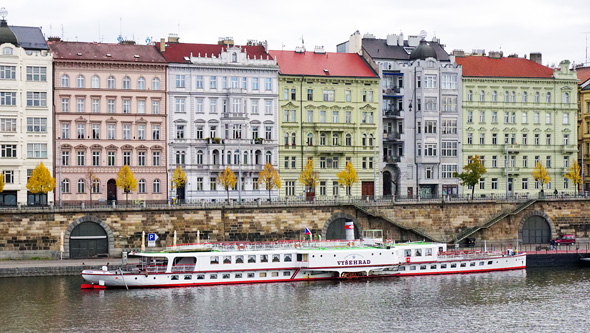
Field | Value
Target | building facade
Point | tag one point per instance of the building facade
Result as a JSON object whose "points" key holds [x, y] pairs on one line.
{"points": [[328, 106], [517, 112], [25, 112], [223, 102], [110, 111], [421, 113], [583, 74]]}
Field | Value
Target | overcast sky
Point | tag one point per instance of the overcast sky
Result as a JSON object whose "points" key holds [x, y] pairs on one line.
{"points": [[555, 28]]}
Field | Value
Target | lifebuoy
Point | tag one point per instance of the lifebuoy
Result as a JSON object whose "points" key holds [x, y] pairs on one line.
{"points": [[349, 244], [408, 260], [241, 247]]}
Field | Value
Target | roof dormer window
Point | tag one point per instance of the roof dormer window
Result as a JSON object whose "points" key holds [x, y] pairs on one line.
{"points": [[7, 51], [234, 57]]}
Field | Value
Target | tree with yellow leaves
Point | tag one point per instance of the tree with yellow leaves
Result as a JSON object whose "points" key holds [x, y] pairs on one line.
{"points": [[309, 178], [41, 180], [227, 179], [91, 177], [178, 179], [126, 181], [540, 175], [2, 182], [573, 174], [348, 177], [269, 177]]}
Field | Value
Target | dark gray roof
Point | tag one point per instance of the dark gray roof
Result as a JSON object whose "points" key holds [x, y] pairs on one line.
{"points": [[30, 38], [423, 51], [378, 49]]}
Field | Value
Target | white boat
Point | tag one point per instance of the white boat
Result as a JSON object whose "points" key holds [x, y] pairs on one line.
{"points": [[223, 263], [421, 258]]}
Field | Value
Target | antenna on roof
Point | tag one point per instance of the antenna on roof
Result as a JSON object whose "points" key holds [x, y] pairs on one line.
{"points": [[99, 31], [586, 33]]}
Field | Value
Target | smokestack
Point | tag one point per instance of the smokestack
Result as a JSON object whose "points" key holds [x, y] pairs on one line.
{"points": [[162, 45]]}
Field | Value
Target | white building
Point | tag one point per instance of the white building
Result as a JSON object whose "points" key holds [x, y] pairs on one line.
{"points": [[25, 111], [222, 113]]}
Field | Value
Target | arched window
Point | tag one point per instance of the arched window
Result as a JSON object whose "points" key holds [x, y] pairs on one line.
{"points": [[111, 82], [246, 158], [322, 139], [537, 97], [482, 96], [234, 57], [81, 187], [293, 138], [237, 157], [268, 157], [80, 81], [548, 97], [371, 140], [141, 186], [65, 81], [309, 139], [199, 157], [65, 186], [513, 97], [156, 186], [348, 140], [96, 186], [364, 140], [494, 96], [470, 96], [126, 82], [286, 138], [7, 51], [335, 139], [229, 157], [524, 97], [156, 84], [95, 82], [141, 83], [566, 98], [506, 97]]}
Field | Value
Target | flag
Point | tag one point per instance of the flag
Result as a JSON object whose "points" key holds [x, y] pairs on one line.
{"points": [[307, 232]]}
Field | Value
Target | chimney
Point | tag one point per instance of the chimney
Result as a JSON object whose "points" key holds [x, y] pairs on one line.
{"points": [[54, 39], [458, 53], [162, 45], [495, 55], [537, 57], [226, 41], [173, 38], [127, 42]]}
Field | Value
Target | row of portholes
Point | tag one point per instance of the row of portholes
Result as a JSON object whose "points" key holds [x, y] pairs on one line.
{"points": [[95, 82]]}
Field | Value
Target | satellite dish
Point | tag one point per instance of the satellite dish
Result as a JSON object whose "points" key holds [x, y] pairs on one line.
{"points": [[423, 34], [148, 40], [120, 38]]}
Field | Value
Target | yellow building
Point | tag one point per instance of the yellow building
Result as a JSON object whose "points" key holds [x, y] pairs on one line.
{"points": [[584, 124], [328, 112]]}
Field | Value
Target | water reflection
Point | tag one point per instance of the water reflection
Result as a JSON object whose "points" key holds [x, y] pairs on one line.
{"points": [[537, 299]]}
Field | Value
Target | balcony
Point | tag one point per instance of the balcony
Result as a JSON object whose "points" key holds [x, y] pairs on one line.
{"points": [[392, 91], [513, 148], [511, 170], [569, 149], [233, 115], [392, 159], [392, 136], [392, 112]]}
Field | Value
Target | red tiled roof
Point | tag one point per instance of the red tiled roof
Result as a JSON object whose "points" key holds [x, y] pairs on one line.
{"points": [[311, 63], [175, 52], [583, 74], [503, 67], [99, 51]]}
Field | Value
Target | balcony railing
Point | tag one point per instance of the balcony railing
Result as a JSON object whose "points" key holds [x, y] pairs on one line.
{"points": [[391, 112], [392, 159], [392, 136]]}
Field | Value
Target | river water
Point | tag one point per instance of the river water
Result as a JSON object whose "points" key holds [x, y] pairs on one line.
{"points": [[533, 300]]}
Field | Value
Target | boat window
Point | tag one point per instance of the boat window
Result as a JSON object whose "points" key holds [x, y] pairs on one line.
{"points": [[443, 265], [453, 265], [287, 258], [238, 275], [472, 263], [212, 276], [432, 266], [402, 268], [227, 259], [481, 263], [184, 264], [418, 252], [286, 273], [250, 275], [251, 259], [422, 267], [412, 268], [174, 277], [440, 249], [274, 274], [428, 252], [214, 260], [463, 264], [262, 274], [490, 262], [276, 258], [154, 264], [264, 258], [200, 276], [226, 276], [188, 277], [407, 253], [239, 259]]}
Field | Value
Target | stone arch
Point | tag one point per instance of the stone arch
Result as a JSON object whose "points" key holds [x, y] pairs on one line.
{"points": [[342, 215], [89, 218], [539, 214]]}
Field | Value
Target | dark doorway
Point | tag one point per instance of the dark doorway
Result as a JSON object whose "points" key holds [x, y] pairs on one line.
{"points": [[336, 230], [111, 190], [8, 198], [367, 189], [180, 193], [88, 240], [387, 183], [36, 199], [536, 230]]}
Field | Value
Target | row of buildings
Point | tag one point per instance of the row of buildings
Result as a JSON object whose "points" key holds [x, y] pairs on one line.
{"points": [[404, 112]]}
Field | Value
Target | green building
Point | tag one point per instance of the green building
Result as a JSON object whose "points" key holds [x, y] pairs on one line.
{"points": [[517, 112], [328, 112]]}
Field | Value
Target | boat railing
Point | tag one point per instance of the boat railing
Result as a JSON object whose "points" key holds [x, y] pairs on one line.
{"points": [[183, 268], [467, 254], [156, 268], [259, 246]]}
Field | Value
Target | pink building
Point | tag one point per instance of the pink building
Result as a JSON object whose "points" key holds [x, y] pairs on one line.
{"points": [[110, 110]]}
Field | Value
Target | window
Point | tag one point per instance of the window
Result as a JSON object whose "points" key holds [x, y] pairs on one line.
{"points": [[536, 118], [430, 149], [328, 95], [65, 186], [548, 139], [494, 96], [547, 118], [548, 98], [348, 95], [141, 186], [8, 98], [482, 96], [95, 131], [95, 158], [429, 81], [494, 183], [36, 150], [548, 162], [36, 99], [524, 97], [80, 104], [524, 139], [111, 82], [156, 158], [81, 129], [35, 73], [449, 126], [81, 186], [566, 138], [448, 170], [428, 174], [431, 104], [469, 116], [449, 81], [430, 126], [36, 125], [469, 138], [290, 188], [95, 82], [494, 117], [506, 97], [179, 104], [141, 106], [80, 81], [180, 131], [525, 162], [111, 105], [268, 107], [111, 131], [494, 138], [65, 80], [494, 161], [156, 84], [482, 184], [268, 84], [81, 158], [537, 99], [95, 105], [126, 158], [449, 104], [348, 117], [469, 96], [524, 117], [566, 118], [111, 158], [482, 116], [348, 140], [482, 138], [513, 97], [65, 105]]}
